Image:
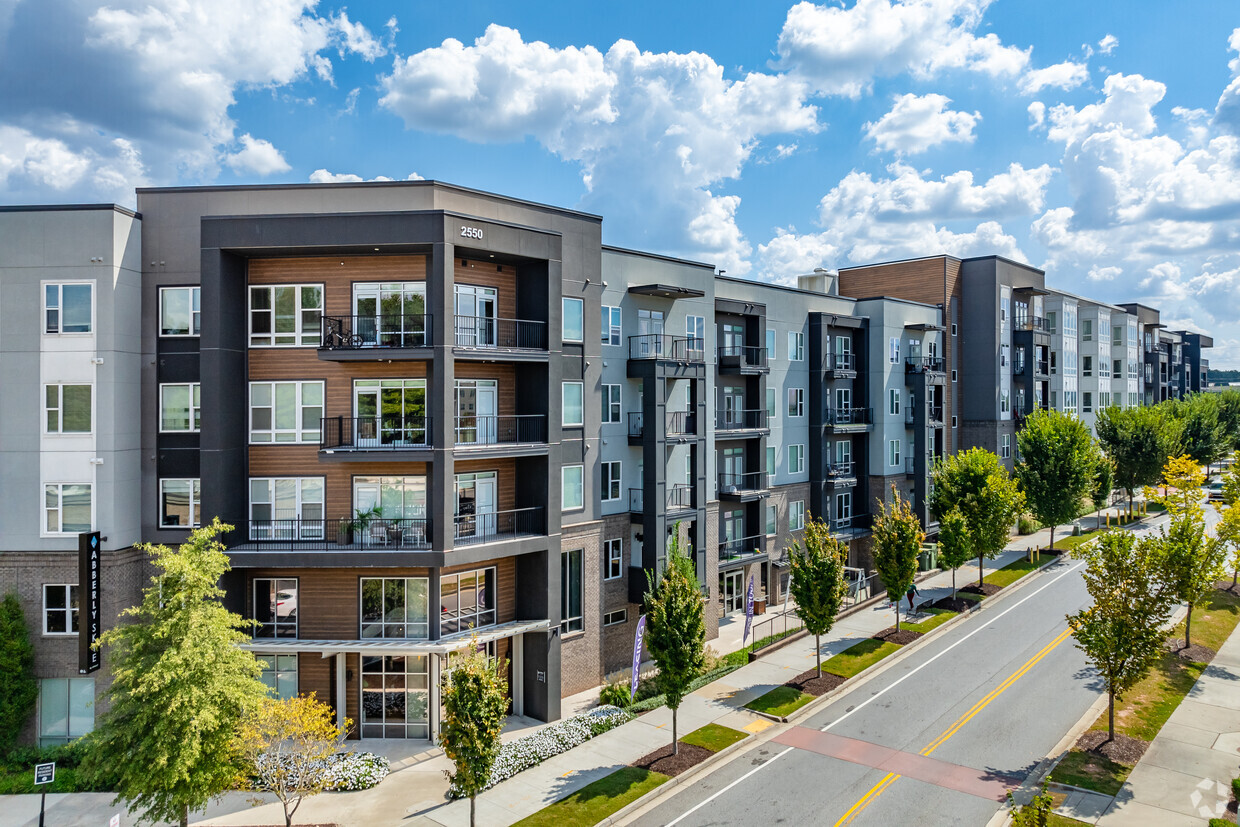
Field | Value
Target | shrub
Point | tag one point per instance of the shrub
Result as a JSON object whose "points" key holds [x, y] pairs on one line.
{"points": [[1026, 524], [345, 771], [616, 694], [18, 688]]}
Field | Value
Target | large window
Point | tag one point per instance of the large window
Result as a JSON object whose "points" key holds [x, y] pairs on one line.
{"points": [[179, 311], [1005, 447], [893, 452], [285, 315], [796, 347], [796, 401], [180, 408], [893, 405], [275, 607], [573, 411], [178, 503], [572, 488], [770, 465], [772, 520], [279, 674], [67, 508], [66, 709], [570, 591], [466, 600], [796, 515], [611, 325], [614, 555], [60, 609], [574, 320], [611, 481], [843, 505], [286, 508], [611, 404], [395, 607], [395, 696], [67, 409], [796, 459], [285, 411], [772, 404], [695, 329], [67, 308], [770, 343]]}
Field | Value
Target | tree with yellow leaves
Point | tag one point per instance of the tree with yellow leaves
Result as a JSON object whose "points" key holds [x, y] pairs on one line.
{"points": [[1228, 528], [1181, 494]]}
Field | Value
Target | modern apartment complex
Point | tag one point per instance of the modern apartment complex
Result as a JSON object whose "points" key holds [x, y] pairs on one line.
{"points": [[438, 417]]}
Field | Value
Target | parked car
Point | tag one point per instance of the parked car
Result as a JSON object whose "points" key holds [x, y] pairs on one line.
{"points": [[1214, 491]]}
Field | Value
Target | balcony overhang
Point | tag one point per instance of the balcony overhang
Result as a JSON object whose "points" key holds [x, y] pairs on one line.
{"points": [[444, 646], [925, 326], [667, 291]]}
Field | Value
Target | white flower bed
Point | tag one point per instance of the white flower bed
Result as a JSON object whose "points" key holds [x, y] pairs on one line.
{"points": [[550, 741], [344, 771]]}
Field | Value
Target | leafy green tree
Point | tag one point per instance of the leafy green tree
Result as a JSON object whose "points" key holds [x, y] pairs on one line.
{"points": [[1121, 633], [1229, 416], [955, 545], [1103, 484], [1202, 435], [975, 483], [897, 543], [1228, 529], [675, 627], [475, 702], [181, 685], [18, 687], [1138, 440], [1057, 467], [1037, 813], [818, 581]]}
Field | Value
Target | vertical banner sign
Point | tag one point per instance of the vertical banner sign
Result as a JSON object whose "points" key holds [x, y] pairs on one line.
{"points": [[638, 639], [748, 610], [89, 614]]}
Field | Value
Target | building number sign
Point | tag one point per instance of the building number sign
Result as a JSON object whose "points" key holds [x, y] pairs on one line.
{"points": [[471, 232]]}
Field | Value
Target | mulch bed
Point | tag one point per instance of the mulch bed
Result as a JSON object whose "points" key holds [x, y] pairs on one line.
{"points": [[1195, 653], [1225, 586], [901, 637], [957, 604], [985, 590], [810, 682], [662, 760], [1123, 749]]}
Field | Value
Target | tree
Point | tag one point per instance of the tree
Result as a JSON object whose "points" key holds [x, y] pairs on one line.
{"points": [[18, 687], [1121, 633], [675, 627], [475, 702], [818, 581], [1228, 529], [1202, 436], [287, 744], [955, 545], [1229, 416], [1181, 493], [1057, 467], [975, 483], [1138, 440], [181, 684], [1037, 813], [1104, 482], [897, 543]]}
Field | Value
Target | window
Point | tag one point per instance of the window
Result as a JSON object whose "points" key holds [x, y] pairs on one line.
{"points": [[1087, 366], [953, 422], [570, 591], [179, 311], [695, 329], [616, 618], [60, 609], [1003, 355], [611, 481], [843, 506], [953, 328], [770, 465], [466, 600], [893, 452], [611, 404], [67, 508], [178, 503], [66, 709], [279, 674], [772, 521], [796, 515], [286, 508], [1132, 399], [285, 315], [770, 343], [275, 607], [893, 404], [574, 320], [953, 375], [573, 410], [1087, 330], [180, 408], [613, 559], [1050, 321], [1104, 400], [1004, 306], [285, 411], [1117, 368], [772, 407], [796, 459], [796, 401], [611, 325], [67, 409], [572, 488], [893, 349], [67, 308], [796, 347], [1087, 402], [395, 607], [1005, 447], [1005, 401]]}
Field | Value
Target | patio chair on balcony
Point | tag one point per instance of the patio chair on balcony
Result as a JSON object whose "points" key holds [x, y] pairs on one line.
{"points": [[378, 533]]}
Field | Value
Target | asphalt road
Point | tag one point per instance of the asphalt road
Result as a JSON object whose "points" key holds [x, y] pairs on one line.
{"points": [[934, 740]]}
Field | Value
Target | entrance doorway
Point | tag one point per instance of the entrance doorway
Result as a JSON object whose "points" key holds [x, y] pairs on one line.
{"points": [[732, 589]]}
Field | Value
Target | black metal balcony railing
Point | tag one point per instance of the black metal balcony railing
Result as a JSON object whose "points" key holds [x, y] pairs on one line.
{"points": [[676, 423], [489, 332], [743, 356], [374, 433], [1043, 368], [741, 483], [671, 348], [840, 361], [840, 469], [501, 430], [733, 420], [300, 534], [1030, 323], [850, 523], [849, 416], [936, 413], [401, 330], [742, 548], [487, 527], [924, 364], [679, 498]]}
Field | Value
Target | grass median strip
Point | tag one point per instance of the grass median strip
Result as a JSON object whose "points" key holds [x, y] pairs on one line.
{"points": [[714, 737], [859, 656], [597, 800], [781, 701], [937, 619]]}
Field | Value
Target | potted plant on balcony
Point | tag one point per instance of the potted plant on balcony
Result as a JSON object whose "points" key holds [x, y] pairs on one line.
{"points": [[359, 525]]}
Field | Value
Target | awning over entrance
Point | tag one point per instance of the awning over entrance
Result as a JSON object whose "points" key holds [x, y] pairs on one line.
{"points": [[383, 646]]}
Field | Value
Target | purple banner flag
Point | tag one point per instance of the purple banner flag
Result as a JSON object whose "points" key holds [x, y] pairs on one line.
{"points": [[637, 653], [748, 610]]}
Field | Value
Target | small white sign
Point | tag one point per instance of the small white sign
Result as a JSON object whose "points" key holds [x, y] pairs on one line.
{"points": [[44, 773], [115, 821]]}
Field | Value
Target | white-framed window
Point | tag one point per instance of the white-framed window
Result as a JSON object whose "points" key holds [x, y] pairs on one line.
{"points": [[67, 508], [796, 459], [275, 607], [796, 515], [1005, 401], [68, 307], [772, 404], [572, 487], [1087, 402], [843, 505], [796, 347], [180, 408], [60, 609], [1087, 366], [1132, 399], [395, 607], [1087, 330], [279, 674], [574, 319], [893, 401], [286, 508], [770, 343], [1005, 447], [67, 409], [180, 313], [616, 618], [953, 375], [953, 421], [695, 329], [285, 315], [796, 401], [285, 411], [573, 404], [772, 520], [571, 616], [178, 503], [893, 452], [611, 481], [953, 328], [66, 709], [613, 559], [611, 404], [893, 349], [770, 464], [612, 328]]}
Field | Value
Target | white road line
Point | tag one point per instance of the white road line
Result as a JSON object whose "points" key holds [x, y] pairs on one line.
{"points": [[882, 692]]}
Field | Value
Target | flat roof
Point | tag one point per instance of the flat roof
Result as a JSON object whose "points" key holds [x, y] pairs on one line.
{"points": [[70, 208], [611, 248]]}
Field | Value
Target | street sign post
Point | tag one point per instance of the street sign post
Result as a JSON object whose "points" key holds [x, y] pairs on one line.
{"points": [[44, 774]]}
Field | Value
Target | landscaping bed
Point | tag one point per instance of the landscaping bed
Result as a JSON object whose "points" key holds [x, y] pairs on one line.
{"points": [[901, 637], [663, 761], [810, 683], [984, 590], [959, 603]]}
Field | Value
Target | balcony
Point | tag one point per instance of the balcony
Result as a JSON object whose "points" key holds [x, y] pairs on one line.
{"points": [[679, 500], [678, 426], [660, 347], [363, 434], [500, 435], [1042, 367], [342, 533], [743, 487], [846, 526], [1030, 323], [736, 424], [741, 359], [742, 550], [843, 420], [493, 526], [910, 467], [841, 474], [935, 416], [924, 364], [358, 338], [479, 337], [841, 366]]}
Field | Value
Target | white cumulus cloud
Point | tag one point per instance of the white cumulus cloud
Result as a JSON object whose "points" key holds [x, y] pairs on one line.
{"points": [[1066, 75], [257, 156], [917, 123], [1107, 44]]}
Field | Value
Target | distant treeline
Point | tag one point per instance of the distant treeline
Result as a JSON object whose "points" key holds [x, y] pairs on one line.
{"points": [[1223, 375]]}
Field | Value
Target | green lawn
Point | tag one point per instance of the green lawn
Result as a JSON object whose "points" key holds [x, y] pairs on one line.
{"points": [[1093, 772], [859, 656], [1012, 572], [714, 737], [596, 801], [1057, 820], [781, 701], [940, 617], [1072, 541]]}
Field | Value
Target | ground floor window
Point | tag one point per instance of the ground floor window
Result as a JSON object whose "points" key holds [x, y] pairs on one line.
{"points": [[66, 709], [395, 697], [395, 607], [60, 609], [279, 674], [570, 591], [466, 600], [275, 606]]}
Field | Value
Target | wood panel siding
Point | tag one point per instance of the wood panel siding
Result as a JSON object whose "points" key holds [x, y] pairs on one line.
{"points": [[503, 277], [337, 274]]}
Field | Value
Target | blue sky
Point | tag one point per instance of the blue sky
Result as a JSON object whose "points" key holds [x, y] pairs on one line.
{"points": [[766, 138]]}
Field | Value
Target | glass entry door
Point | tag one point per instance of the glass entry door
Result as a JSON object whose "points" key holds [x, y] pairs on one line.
{"points": [[650, 334], [395, 696], [477, 410], [733, 591], [733, 403], [475, 316], [389, 412], [390, 314], [475, 505]]}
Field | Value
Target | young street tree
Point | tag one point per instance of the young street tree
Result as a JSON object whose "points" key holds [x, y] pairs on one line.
{"points": [[676, 627], [18, 686], [897, 542], [1228, 529], [1103, 484], [287, 744], [955, 545], [818, 581], [475, 702], [1057, 467], [1121, 633], [975, 483], [1202, 436], [1138, 440], [168, 740]]}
